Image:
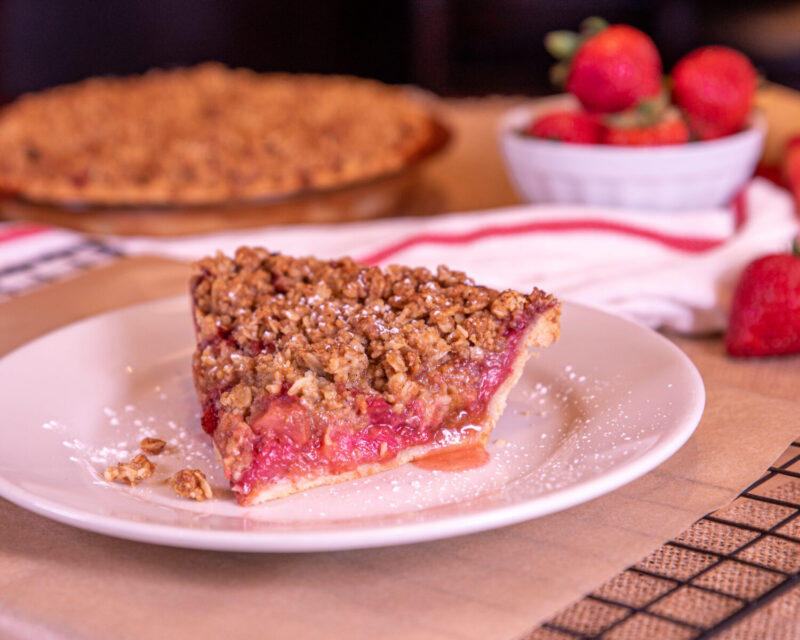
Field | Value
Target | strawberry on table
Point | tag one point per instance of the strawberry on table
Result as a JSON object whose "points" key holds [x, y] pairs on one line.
{"points": [[607, 68], [567, 126], [765, 313], [715, 87]]}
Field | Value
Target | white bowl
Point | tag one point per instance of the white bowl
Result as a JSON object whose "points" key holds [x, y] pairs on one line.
{"points": [[690, 176]]}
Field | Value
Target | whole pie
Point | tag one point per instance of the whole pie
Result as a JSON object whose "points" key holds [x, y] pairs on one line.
{"points": [[312, 372], [206, 135]]}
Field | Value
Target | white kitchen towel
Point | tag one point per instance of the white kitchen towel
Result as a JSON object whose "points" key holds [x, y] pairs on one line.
{"points": [[659, 269], [32, 255]]}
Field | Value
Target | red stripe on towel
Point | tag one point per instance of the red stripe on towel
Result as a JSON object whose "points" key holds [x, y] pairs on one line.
{"points": [[14, 232], [686, 244]]}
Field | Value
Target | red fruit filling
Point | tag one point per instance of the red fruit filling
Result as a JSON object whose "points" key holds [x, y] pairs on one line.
{"points": [[290, 441]]}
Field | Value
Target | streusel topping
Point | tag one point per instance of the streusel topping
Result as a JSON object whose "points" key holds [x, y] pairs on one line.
{"points": [[313, 328], [205, 134]]}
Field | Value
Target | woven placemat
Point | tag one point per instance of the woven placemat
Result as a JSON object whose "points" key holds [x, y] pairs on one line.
{"points": [[733, 574]]}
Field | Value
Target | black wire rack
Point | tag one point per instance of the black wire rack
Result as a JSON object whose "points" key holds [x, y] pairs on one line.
{"points": [[696, 589]]}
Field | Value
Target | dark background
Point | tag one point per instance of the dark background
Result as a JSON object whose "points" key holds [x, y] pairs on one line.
{"points": [[453, 47]]}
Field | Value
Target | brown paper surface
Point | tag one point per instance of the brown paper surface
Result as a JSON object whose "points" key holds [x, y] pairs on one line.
{"points": [[70, 583]]}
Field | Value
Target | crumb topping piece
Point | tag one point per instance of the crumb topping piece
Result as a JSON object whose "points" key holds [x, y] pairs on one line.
{"points": [[131, 473], [312, 328], [191, 483], [152, 446], [205, 134]]}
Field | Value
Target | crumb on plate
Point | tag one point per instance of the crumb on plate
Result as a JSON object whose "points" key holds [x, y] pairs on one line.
{"points": [[191, 483], [133, 472], [152, 446]]}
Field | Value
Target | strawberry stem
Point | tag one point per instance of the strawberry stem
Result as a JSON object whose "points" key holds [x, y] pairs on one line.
{"points": [[796, 246]]}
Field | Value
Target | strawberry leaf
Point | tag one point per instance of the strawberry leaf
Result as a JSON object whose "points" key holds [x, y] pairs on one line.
{"points": [[561, 44], [644, 113], [559, 73], [592, 26]]}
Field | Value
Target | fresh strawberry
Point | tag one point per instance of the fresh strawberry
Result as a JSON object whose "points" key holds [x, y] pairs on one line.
{"points": [[715, 87], [608, 68], [567, 126], [765, 313], [668, 130]]}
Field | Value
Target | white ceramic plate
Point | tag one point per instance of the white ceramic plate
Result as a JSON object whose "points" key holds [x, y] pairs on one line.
{"points": [[607, 403]]}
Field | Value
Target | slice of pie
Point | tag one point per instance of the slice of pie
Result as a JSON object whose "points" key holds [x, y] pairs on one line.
{"points": [[312, 372]]}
